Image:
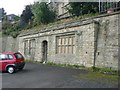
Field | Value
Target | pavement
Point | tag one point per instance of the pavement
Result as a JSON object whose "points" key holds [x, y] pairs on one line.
{"points": [[36, 75]]}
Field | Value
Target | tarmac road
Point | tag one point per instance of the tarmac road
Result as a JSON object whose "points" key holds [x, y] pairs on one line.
{"points": [[36, 75]]}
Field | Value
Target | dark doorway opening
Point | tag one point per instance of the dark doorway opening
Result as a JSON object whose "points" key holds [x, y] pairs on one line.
{"points": [[44, 51]]}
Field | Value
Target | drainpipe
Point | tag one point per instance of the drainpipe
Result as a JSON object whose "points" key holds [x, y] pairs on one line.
{"points": [[96, 41]]}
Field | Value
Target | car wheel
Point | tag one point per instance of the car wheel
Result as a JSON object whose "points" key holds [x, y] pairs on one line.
{"points": [[11, 70]]}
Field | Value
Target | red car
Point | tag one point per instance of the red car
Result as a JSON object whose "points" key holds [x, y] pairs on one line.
{"points": [[11, 61]]}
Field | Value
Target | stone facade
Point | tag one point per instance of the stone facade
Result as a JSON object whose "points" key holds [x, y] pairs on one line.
{"points": [[95, 42], [8, 43]]}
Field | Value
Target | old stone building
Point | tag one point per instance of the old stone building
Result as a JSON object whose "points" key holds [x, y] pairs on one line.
{"points": [[60, 8], [89, 42]]}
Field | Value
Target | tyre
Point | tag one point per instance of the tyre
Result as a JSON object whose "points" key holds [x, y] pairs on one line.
{"points": [[10, 69]]}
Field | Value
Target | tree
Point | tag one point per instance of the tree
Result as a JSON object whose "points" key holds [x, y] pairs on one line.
{"points": [[81, 8], [26, 16], [16, 18], [42, 13], [2, 14]]}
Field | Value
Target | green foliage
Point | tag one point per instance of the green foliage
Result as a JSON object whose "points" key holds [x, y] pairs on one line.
{"points": [[5, 25], [2, 14], [16, 18], [26, 16], [104, 70], [42, 13], [81, 8], [13, 30], [97, 76], [10, 29], [51, 63], [66, 65], [95, 69]]}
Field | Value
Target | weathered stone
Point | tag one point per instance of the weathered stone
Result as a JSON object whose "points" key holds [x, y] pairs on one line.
{"points": [[96, 41]]}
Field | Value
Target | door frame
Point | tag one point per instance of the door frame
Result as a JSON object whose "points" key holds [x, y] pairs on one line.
{"points": [[44, 51]]}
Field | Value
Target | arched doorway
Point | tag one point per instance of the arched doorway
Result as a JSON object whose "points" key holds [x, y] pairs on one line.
{"points": [[44, 51]]}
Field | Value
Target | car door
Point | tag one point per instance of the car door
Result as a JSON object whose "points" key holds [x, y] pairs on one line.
{"points": [[3, 61], [0, 63]]}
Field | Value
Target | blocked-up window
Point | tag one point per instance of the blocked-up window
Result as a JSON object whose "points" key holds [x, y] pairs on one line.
{"points": [[66, 44], [26, 47], [32, 46], [29, 47]]}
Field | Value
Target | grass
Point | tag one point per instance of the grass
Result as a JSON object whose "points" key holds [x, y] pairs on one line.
{"points": [[66, 65], [97, 76], [105, 70], [38, 62]]}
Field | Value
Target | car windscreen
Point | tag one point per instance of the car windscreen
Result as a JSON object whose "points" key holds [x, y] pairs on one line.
{"points": [[18, 56]]}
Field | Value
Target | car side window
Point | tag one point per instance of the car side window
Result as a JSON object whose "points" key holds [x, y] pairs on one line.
{"points": [[3, 57], [10, 57]]}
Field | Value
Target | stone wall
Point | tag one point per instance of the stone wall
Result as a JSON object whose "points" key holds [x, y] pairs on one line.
{"points": [[96, 41], [8, 44], [107, 42]]}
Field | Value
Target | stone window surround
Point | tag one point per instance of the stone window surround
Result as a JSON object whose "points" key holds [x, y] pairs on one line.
{"points": [[75, 33], [63, 46], [32, 46], [28, 46]]}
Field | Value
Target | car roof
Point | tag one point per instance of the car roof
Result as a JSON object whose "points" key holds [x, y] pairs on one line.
{"points": [[8, 53]]}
